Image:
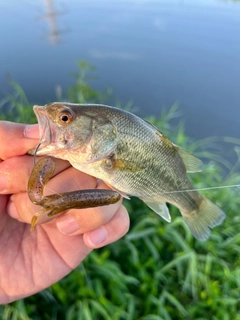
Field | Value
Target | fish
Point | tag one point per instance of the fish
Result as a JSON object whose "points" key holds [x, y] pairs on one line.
{"points": [[131, 156]]}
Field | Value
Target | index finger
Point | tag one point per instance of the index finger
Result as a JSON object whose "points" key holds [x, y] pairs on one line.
{"points": [[17, 139]]}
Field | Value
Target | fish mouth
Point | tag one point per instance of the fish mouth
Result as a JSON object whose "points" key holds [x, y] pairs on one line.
{"points": [[46, 131]]}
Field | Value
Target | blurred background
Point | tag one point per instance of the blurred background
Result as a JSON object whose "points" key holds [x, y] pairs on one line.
{"points": [[152, 52]]}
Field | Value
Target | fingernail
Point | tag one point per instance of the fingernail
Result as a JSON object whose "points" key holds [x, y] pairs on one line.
{"points": [[97, 236], [3, 183], [31, 131], [66, 224]]}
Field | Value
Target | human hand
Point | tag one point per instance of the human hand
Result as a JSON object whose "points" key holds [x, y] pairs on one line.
{"points": [[32, 261]]}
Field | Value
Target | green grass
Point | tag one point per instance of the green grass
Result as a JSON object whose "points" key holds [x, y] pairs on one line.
{"points": [[158, 270]]}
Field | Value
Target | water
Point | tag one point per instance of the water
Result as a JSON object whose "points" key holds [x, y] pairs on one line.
{"points": [[151, 52]]}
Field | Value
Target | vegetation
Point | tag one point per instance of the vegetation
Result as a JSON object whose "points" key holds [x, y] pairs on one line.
{"points": [[158, 270]]}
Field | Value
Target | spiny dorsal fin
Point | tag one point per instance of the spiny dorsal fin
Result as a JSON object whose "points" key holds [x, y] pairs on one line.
{"points": [[192, 163]]}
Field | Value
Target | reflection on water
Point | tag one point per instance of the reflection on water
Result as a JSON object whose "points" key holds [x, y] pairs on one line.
{"points": [[51, 17]]}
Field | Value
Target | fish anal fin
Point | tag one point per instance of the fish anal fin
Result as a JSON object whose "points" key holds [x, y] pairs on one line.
{"points": [[192, 163], [160, 208]]}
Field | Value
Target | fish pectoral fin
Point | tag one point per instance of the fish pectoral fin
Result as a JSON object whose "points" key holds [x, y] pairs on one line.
{"points": [[103, 141], [192, 163], [160, 208], [122, 194]]}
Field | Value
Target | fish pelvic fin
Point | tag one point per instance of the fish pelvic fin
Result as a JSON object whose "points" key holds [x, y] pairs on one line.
{"points": [[160, 208], [192, 163], [206, 217]]}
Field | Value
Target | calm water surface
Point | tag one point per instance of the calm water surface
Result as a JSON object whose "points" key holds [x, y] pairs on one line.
{"points": [[152, 52]]}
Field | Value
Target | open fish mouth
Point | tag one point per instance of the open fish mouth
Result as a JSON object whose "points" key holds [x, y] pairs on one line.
{"points": [[47, 132]]}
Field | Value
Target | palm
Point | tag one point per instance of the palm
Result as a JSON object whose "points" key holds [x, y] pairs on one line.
{"points": [[35, 260]]}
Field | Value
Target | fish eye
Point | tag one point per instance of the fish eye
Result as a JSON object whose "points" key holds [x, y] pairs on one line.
{"points": [[65, 117]]}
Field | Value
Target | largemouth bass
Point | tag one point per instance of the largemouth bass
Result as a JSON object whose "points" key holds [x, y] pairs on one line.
{"points": [[130, 155]]}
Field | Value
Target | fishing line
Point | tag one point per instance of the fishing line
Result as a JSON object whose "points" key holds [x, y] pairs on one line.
{"points": [[204, 189], [180, 191], [168, 192]]}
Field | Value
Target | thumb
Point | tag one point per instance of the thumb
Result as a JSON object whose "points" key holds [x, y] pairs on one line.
{"points": [[17, 138]]}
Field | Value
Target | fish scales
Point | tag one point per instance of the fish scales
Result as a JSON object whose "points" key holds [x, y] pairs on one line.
{"points": [[130, 155], [146, 142]]}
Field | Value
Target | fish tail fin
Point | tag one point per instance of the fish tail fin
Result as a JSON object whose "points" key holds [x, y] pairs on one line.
{"points": [[206, 217]]}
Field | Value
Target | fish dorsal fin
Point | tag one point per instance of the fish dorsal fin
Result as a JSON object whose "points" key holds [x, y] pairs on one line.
{"points": [[160, 208], [192, 163]]}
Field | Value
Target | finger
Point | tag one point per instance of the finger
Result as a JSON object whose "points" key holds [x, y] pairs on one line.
{"points": [[72, 223], [116, 228], [17, 139], [15, 173], [3, 215], [80, 221], [70, 179], [21, 208]]}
